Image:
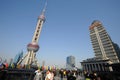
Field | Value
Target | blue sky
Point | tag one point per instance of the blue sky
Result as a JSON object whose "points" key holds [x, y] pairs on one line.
{"points": [[65, 32]]}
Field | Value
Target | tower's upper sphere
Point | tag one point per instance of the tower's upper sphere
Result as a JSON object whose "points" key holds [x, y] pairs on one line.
{"points": [[33, 47], [42, 17]]}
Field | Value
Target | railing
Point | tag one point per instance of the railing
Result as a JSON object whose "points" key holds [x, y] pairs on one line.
{"points": [[17, 74]]}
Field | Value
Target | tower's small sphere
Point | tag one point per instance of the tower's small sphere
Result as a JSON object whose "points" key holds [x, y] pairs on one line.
{"points": [[42, 17], [33, 47]]}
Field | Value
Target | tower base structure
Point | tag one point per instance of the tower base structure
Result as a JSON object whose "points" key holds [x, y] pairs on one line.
{"points": [[30, 58], [29, 61]]}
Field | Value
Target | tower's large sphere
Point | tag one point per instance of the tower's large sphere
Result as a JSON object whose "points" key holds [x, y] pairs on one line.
{"points": [[33, 47]]}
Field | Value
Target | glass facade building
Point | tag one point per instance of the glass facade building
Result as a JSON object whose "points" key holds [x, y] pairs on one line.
{"points": [[18, 57], [70, 62]]}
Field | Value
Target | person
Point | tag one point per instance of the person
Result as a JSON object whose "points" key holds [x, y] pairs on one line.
{"points": [[64, 73], [87, 75], [74, 75], [52, 75], [49, 75], [61, 74], [37, 75], [68, 75]]}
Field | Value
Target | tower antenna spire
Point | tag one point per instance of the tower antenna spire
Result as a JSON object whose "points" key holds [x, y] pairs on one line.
{"points": [[44, 9]]}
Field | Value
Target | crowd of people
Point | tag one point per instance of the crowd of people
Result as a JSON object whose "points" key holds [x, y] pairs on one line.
{"points": [[52, 74], [44, 75], [62, 74], [69, 74], [91, 76]]}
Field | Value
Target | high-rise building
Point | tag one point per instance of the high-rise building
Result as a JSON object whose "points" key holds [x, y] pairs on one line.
{"points": [[70, 62], [17, 57], [33, 47], [102, 43], [117, 49]]}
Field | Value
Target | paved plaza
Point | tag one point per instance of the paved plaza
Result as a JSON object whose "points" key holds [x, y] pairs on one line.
{"points": [[78, 78]]}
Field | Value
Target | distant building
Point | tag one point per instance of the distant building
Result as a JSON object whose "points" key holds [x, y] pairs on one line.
{"points": [[10, 61], [102, 44], [117, 49], [18, 57], [70, 62]]}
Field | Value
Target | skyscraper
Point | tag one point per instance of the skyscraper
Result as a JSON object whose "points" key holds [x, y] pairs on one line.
{"points": [[70, 62], [102, 44], [33, 47], [117, 49], [18, 57]]}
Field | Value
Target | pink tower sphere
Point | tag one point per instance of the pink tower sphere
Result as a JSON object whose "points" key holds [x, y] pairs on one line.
{"points": [[33, 47], [42, 17]]}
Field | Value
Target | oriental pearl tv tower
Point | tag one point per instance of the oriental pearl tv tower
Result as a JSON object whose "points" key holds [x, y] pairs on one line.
{"points": [[33, 47]]}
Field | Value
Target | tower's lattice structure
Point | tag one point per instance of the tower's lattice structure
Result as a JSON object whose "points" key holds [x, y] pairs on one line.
{"points": [[33, 47]]}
